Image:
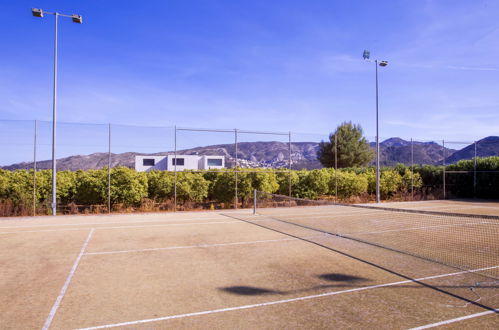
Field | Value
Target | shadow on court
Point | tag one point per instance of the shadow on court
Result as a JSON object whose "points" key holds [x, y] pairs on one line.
{"points": [[332, 277]]}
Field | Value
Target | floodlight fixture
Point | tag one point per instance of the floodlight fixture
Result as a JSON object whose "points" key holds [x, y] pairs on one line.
{"points": [[37, 12], [366, 55], [77, 18]]}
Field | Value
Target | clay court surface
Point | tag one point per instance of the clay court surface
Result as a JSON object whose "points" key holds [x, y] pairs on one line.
{"points": [[230, 270]]}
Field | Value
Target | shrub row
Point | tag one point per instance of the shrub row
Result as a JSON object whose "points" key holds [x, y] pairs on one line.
{"points": [[131, 188]]}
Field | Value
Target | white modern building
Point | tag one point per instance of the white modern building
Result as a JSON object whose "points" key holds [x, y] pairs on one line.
{"points": [[182, 162]]}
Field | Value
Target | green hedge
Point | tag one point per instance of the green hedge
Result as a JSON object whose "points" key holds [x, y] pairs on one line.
{"points": [[131, 189], [463, 184]]}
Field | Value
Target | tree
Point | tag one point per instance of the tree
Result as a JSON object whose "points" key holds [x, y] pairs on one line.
{"points": [[160, 184], [91, 187], [223, 188], [311, 184], [128, 187], [191, 186], [353, 149]]}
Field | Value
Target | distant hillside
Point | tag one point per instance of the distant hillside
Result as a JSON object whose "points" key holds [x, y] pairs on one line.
{"points": [[250, 154], [276, 154], [397, 150], [488, 146]]}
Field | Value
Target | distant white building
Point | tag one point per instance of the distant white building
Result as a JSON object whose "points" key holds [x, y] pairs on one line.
{"points": [[182, 162]]}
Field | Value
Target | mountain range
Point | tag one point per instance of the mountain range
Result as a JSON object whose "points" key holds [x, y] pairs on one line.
{"points": [[276, 155]]}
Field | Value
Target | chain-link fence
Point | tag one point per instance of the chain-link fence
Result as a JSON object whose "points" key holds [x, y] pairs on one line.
{"points": [[120, 168]]}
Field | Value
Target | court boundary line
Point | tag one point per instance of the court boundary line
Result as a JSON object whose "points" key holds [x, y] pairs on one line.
{"points": [[282, 301], [65, 287], [457, 319], [121, 227], [105, 223], [191, 246]]}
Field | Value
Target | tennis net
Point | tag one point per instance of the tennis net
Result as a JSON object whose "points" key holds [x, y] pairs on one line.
{"points": [[463, 241]]}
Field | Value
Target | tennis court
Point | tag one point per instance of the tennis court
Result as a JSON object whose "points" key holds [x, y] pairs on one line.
{"points": [[233, 269]]}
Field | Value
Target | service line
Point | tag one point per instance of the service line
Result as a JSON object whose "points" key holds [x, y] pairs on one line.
{"points": [[196, 246], [193, 246]]}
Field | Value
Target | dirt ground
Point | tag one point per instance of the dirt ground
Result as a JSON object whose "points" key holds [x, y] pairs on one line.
{"points": [[231, 270]]}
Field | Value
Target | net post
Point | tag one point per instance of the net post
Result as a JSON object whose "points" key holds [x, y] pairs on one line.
{"points": [[443, 162], [412, 169], [34, 167], [474, 172], [254, 201]]}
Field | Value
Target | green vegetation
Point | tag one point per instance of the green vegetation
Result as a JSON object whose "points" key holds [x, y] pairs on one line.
{"points": [[131, 189], [352, 148]]}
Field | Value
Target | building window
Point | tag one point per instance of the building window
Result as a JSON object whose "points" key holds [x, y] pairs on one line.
{"points": [[214, 162], [178, 161], [148, 162]]}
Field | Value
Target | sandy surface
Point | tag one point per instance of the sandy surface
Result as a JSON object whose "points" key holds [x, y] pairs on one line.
{"points": [[201, 270]]}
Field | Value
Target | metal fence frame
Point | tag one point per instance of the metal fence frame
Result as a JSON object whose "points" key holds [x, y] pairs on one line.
{"points": [[235, 169], [445, 171], [239, 132]]}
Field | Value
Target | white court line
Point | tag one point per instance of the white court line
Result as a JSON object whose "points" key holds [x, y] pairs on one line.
{"points": [[201, 245], [51, 315], [193, 246], [433, 325], [121, 227], [277, 302], [106, 223], [39, 231]]}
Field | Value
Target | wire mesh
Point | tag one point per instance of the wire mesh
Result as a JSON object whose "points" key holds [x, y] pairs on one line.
{"points": [[260, 156], [17, 143], [465, 242]]}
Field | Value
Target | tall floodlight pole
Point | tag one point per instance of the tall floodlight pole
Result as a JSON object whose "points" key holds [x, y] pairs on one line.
{"points": [[76, 19], [366, 56]]}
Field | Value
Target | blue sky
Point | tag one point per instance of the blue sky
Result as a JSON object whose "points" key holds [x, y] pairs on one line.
{"points": [[262, 65]]}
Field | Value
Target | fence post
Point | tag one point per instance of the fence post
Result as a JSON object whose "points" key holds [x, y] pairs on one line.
{"points": [[474, 172], [336, 167], [443, 161], [235, 169], [289, 174], [34, 168], [109, 171], [412, 169], [174, 169], [254, 201]]}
